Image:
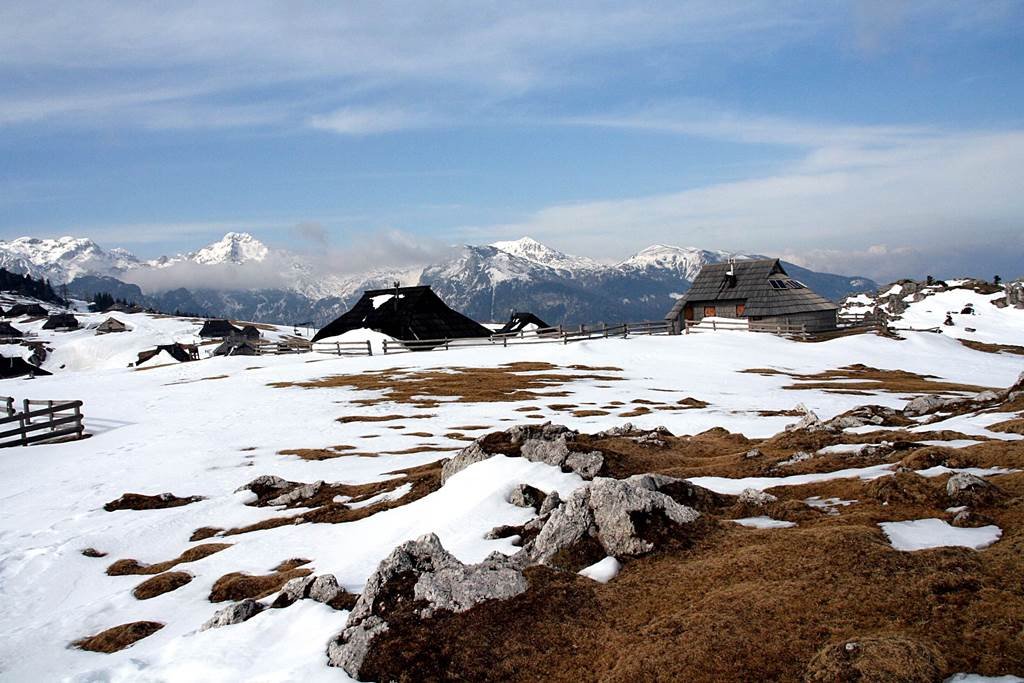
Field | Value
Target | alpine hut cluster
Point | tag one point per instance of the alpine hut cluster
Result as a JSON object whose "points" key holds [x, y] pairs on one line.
{"points": [[758, 290]]}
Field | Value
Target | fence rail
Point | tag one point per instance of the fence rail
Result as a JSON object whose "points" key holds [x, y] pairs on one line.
{"points": [[52, 420], [545, 335]]}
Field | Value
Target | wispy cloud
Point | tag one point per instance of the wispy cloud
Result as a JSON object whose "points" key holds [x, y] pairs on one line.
{"points": [[371, 120]]}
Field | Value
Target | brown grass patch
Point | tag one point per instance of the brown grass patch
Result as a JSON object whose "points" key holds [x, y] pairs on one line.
{"points": [[204, 532], [458, 436], [469, 428], [636, 412], [596, 368], [510, 382], [527, 409], [138, 501], [319, 453], [425, 479], [589, 413], [381, 418], [562, 406], [191, 381], [126, 567], [993, 348], [160, 584], [690, 402], [862, 378], [92, 552], [119, 637], [238, 586], [422, 435], [1014, 426]]}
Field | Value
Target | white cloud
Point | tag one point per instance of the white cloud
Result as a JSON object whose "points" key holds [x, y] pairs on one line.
{"points": [[371, 120]]}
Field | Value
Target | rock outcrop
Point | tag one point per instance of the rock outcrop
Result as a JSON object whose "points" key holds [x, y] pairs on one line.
{"points": [[418, 579], [234, 613], [548, 443], [967, 489]]}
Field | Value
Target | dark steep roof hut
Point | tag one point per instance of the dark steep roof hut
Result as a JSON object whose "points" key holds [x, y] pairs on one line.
{"points": [[519, 321], [8, 331], [218, 329], [249, 332], [405, 313], [237, 346], [32, 310], [180, 352], [18, 367], [61, 321], [759, 290], [111, 325]]}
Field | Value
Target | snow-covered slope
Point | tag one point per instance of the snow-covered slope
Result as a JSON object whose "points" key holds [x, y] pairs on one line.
{"points": [[978, 310]]}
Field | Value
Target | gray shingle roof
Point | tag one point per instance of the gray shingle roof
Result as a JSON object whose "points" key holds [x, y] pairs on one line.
{"points": [[751, 286]]}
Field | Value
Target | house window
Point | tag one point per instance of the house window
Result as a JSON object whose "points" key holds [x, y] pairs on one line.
{"points": [[740, 309], [710, 311]]}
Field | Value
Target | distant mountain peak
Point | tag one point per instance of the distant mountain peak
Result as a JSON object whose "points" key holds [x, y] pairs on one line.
{"points": [[234, 247], [532, 250]]}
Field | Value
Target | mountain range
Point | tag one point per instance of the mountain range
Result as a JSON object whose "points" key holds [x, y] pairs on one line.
{"points": [[242, 278]]}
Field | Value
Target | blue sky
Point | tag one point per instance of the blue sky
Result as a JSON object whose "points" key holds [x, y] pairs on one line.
{"points": [[879, 137]]}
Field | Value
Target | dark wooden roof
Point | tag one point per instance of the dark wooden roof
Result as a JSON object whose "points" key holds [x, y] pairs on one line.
{"points": [[250, 332], [237, 346], [111, 324], [18, 367], [218, 329], [762, 285], [178, 351], [520, 319], [26, 309], [9, 330], [406, 313], [61, 320]]}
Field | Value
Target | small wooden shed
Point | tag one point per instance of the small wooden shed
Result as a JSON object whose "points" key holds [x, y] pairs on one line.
{"points": [[111, 325], [61, 322], [758, 290], [9, 331], [218, 329]]}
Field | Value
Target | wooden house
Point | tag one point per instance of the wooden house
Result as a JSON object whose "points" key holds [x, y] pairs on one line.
{"points": [[405, 313], [61, 322], [31, 310], [9, 331], [218, 329], [111, 325], [758, 290]]}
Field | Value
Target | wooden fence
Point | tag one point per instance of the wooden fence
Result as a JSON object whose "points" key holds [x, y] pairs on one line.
{"points": [[546, 335], [40, 421]]}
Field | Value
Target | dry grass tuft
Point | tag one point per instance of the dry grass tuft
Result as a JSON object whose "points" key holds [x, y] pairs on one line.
{"points": [[119, 637], [381, 418], [204, 532], [589, 413], [238, 586], [127, 567], [863, 378], [160, 584], [993, 348], [1014, 426], [138, 501]]}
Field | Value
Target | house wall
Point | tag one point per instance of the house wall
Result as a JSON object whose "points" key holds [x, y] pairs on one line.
{"points": [[723, 309], [814, 321]]}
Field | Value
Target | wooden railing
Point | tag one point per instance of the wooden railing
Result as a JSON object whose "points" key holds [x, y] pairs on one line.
{"points": [[282, 347], [53, 420], [343, 348], [746, 325], [546, 335]]}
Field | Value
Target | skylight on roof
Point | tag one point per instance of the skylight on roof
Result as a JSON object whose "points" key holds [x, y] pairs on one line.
{"points": [[786, 284]]}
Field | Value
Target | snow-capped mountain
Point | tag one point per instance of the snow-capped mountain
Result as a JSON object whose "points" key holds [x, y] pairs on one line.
{"points": [[531, 250], [62, 259], [241, 277], [234, 247]]}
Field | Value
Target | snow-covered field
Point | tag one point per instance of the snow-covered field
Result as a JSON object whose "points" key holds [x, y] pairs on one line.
{"points": [[206, 428]]}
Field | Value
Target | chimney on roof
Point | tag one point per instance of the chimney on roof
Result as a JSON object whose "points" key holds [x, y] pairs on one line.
{"points": [[730, 275]]}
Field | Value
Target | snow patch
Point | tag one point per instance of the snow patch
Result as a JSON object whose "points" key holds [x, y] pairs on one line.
{"points": [[921, 534]]}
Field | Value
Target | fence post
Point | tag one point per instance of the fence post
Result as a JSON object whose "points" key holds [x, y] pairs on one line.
{"points": [[625, 330], [79, 422], [714, 326], [504, 342], [369, 349]]}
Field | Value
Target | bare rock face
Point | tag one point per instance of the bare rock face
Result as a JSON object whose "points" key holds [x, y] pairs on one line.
{"points": [[548, 443], [526, 496], [265, 483], [756, 498], [234, 614], [297, 494], [969, 520], [420, 577], [753, 453], [923, 405], [809, 422], [610, 511], [323, 588], [967, 489]]}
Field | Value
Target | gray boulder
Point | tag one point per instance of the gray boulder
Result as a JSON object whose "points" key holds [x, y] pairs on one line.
{"points": [[297, 494], [234, 614], [967, 489], [547, 443], [809, 422], [923, 405], [526, 496], [606, 510], [756, 498], [753, 453], [265, 483], [551, 501], [422, 576]]}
